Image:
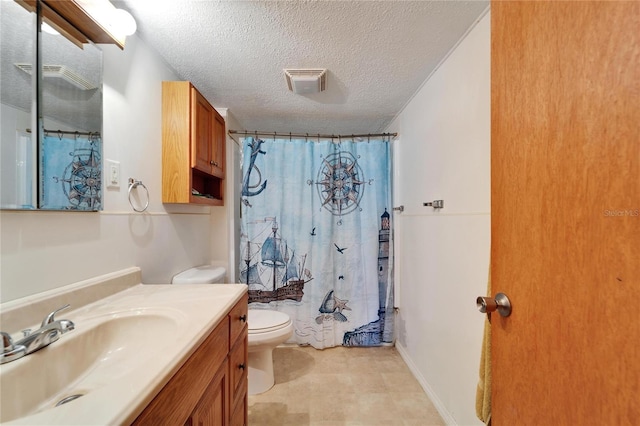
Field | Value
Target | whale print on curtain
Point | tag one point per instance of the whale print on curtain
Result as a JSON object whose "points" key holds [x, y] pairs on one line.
{"points": [[315, 240]]}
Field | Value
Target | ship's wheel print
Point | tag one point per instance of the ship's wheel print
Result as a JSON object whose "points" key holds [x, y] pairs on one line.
{"points": [[82, 180], [340, 183]]}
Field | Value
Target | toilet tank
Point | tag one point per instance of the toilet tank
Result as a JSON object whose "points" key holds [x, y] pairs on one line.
{"points": [[205, 274]]}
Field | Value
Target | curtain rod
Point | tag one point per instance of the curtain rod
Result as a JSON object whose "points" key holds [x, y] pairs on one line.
{"points": [[68, 132], [308, 135]]}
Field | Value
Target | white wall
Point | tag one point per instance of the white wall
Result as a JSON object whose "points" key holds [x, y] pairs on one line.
{"points": [[225, 221], [44, 250], [442, 261]]}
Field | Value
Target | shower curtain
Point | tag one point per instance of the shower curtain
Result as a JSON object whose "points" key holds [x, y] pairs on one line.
{"points": [[316, 237], [71, 173]]}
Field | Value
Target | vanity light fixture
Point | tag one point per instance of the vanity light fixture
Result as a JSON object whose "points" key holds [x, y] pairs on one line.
{"points": [[49, 29], [123, 23], [81, 21]]}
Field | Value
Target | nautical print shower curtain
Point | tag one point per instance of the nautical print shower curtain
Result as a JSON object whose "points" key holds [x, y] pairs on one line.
{"points": [[71, 173], [316, 237]]}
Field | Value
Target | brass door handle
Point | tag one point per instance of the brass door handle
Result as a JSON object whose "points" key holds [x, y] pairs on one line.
{"points": [[500, 303]]}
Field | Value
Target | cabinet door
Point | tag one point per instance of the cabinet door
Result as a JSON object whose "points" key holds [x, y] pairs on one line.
{"points": [[202, 126], [219, 141], [238, 367], [239, 416], [212, 409]]}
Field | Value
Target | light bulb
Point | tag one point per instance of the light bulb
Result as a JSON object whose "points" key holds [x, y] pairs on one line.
{"points": [[123, 22], [49, 29]]}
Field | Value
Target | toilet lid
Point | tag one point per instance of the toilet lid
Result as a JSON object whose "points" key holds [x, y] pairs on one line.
{"points": [[262, 320]]}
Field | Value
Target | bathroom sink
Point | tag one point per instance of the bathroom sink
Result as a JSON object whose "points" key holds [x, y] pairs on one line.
{"points": [[101, 350], [124, 349]]}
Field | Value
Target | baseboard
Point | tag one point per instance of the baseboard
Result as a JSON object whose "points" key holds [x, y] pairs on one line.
{"points": [[444, 413]]}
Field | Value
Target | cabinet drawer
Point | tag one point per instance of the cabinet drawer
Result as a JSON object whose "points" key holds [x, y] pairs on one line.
{"points": [[238, 318]]}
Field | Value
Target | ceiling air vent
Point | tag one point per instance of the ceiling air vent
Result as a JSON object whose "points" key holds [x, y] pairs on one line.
{"points": [[61, 72], [305, 81]]}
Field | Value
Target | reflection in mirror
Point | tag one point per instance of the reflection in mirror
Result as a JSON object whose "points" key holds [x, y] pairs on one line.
{"points": [[17, 149], [63, 170], [71, 106]]}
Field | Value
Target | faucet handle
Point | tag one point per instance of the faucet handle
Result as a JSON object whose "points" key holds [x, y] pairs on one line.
{"points": [[7, 342], [9, 350], [50, 318]]}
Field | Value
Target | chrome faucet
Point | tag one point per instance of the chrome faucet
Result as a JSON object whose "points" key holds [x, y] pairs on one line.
{"points": [[10, 351], [50, 330]]}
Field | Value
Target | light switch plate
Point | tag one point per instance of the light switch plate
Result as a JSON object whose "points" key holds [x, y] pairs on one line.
{"points": [[112, 174]]}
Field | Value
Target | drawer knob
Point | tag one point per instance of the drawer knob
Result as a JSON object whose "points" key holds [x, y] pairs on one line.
{"points": [[241, 366], [243, 318]]}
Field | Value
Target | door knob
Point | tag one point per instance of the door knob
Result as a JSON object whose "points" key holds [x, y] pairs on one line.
{"points": [[500, 303]]}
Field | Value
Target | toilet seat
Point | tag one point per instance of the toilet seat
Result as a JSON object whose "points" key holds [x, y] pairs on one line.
{"points": [[265, 321]]}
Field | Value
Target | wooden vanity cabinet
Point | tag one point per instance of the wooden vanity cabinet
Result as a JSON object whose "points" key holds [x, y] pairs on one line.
{"points": [[210, 389], [193, 146]]}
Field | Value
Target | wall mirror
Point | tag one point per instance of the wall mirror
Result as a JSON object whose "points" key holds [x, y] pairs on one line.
{"points": [[51, 116]]}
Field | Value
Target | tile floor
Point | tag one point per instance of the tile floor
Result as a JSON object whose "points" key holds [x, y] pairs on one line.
{"points": [[342, 386]]}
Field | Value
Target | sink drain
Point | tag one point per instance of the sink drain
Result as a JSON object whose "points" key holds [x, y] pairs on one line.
{"points": [[69, 399]]}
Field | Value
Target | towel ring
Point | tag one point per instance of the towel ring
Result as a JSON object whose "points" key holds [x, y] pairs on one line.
{"points": [[134, 184]]}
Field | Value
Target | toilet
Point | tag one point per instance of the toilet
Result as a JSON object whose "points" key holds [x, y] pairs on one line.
{"points": [[267, 329]]}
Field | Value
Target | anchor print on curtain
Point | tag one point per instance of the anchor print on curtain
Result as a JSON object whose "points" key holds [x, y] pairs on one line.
{"points": [[315, 239]]}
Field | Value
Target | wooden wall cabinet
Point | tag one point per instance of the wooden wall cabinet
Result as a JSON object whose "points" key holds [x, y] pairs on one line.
{"points": [[193, 147], [210, 389]]}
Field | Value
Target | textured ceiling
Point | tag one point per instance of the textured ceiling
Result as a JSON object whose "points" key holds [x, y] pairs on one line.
{"points": [[377, 53]]}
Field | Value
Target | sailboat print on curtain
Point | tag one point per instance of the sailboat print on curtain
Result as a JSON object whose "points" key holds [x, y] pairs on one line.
{"points": [[272, 269], [315, 241]]}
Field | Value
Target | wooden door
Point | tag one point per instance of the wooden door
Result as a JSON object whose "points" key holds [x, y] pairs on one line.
{"points": [[566, 212]]}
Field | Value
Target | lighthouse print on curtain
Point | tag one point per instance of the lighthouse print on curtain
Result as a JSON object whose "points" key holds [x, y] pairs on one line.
{"points": [[316, 237]]}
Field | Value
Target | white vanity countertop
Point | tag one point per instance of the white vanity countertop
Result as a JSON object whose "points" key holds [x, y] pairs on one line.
{"points": [[151, 330]]}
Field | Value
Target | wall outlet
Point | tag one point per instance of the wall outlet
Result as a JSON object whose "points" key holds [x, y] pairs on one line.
{"points": [[112, 172]]}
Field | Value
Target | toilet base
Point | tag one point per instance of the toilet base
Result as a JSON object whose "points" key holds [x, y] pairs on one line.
{"points": [[261, 377]]}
